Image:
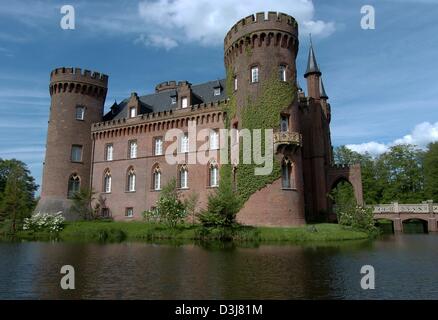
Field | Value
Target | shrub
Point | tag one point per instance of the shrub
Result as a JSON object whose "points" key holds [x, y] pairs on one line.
{"points": [[358, 218], [44, 222]]}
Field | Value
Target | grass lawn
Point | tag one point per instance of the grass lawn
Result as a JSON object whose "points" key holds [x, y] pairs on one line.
{"points": [[141, 231]]}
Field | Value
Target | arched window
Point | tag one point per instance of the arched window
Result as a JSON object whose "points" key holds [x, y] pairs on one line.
{"points": [[213, 174], [107, 181], [74, 185], [130, 186], [183, 177], [286, 174], [156, 178], [282, 72]]}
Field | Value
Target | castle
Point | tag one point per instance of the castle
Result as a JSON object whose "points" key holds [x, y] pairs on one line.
{"points": [[121, 154]]}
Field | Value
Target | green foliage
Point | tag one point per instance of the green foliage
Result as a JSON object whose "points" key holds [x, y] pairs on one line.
{"points": [[170, 209], [41, 222], [263, 113], [431, 172], [82, 201], [191, 203], [223, 203], [17, 190], [343, 197], [358, 218]]}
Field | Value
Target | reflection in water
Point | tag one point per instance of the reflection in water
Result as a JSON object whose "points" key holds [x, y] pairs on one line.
{"points": [[405, 268]]}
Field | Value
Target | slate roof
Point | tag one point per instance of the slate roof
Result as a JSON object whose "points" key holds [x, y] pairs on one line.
{"points": [[161, 101], [312, 65]]}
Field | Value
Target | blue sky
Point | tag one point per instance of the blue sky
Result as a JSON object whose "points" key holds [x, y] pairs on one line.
{"points": [[381, 83]]}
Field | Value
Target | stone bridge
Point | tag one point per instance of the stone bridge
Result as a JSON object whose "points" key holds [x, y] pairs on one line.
{"points": [[427, 212]]}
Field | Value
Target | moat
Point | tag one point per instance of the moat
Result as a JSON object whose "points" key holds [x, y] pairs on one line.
{"points": [[405, 267]]}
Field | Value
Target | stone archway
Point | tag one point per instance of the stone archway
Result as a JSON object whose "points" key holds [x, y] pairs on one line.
{"points": [[351, 174]]}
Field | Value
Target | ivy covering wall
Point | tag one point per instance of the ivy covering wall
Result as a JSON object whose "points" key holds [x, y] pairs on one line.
{"points": [[261, 113]]}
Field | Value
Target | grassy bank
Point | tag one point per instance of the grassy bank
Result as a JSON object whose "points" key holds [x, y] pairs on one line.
{"points": [[140, 231]]}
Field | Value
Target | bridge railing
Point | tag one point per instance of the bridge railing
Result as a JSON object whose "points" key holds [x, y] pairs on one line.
{"points": [[426, 207]]}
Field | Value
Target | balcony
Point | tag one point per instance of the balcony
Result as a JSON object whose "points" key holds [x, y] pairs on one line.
{"points": [[287, 139]]}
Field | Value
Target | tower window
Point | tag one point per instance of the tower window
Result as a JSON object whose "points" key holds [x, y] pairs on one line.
{"points": [[184, 143], [80, 113], [214, 140], [173, 99], [282, 73], [157, 179], [109, 152], [132, 152], [286, 174], [107, 182], [76, 153], [284, 126], [217, 91], [131, 180], [183, 178], [132, 112], [158, 146], [74, 184], [235, 83], [254, 74], [214, 175], [184, 103]]}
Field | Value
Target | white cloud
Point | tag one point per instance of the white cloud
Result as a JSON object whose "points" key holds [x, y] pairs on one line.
{"points": [[423, 134], [202, 21], [157, 41]]}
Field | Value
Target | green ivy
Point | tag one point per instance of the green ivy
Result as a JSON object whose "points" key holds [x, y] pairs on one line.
{"points": [[263, 113]]}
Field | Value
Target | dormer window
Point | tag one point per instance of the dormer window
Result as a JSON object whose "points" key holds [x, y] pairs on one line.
{"points": [[184, 103], [132, 112], [217, 91], [173, 99]]}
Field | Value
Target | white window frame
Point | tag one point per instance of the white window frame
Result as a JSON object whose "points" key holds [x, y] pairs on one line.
{"points": [[184, 102], [131, 181], [184, 143], [214, 139], [282, 72], [129, 213], [173, 100], [107, 182], [133, 149], [214, 176], [235, 83], [132, 112], [157, 180], [183, 178], [158, 146], [255, 74], [73, 153], [81, 114], [109, 152], [217, 91]]}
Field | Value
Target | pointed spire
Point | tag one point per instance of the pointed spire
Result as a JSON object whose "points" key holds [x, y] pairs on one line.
{"points": [[312, 65], [322, 93]]}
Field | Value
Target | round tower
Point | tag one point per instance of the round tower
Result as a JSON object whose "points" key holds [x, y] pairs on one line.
{"points": [[260, 58], [77, 101]]}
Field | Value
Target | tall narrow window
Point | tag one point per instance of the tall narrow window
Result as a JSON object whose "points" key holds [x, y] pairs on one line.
{"points": [[80, 113], [282, 72], [214, 139], [76, 153], [109, 152], [131, 180], [184, 103], [158, 146], [132, 152], [184, 143], [157, 179], [235, 83], [74, 184], [173, 100], [286, 174], [183, 178], [284, 126], [107, 181], [235, 134], [254, 74], [214, 175], [132, 112]]}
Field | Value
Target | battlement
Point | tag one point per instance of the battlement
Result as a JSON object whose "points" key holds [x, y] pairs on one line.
{"points": [[170, 85], [261, 21], [78, 75]]}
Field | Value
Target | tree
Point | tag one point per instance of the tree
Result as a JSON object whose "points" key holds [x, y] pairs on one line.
{"points": [[190, 203], [431, 172], [223, 204], [82, 201], [17, 193]]}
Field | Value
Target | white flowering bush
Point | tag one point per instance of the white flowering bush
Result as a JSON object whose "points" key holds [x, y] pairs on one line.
{"points": [[44, 222], [357, 217]]}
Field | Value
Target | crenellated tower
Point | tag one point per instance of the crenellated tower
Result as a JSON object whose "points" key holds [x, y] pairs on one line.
{"points": [[77, 101], [260, 58]]}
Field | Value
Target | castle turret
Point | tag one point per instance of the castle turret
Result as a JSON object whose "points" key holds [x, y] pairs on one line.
{"points": [[313, 75], [77, 101]]}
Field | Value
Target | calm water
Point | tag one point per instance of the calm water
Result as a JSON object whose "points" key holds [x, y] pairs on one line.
{"points": [[406, 267]]}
